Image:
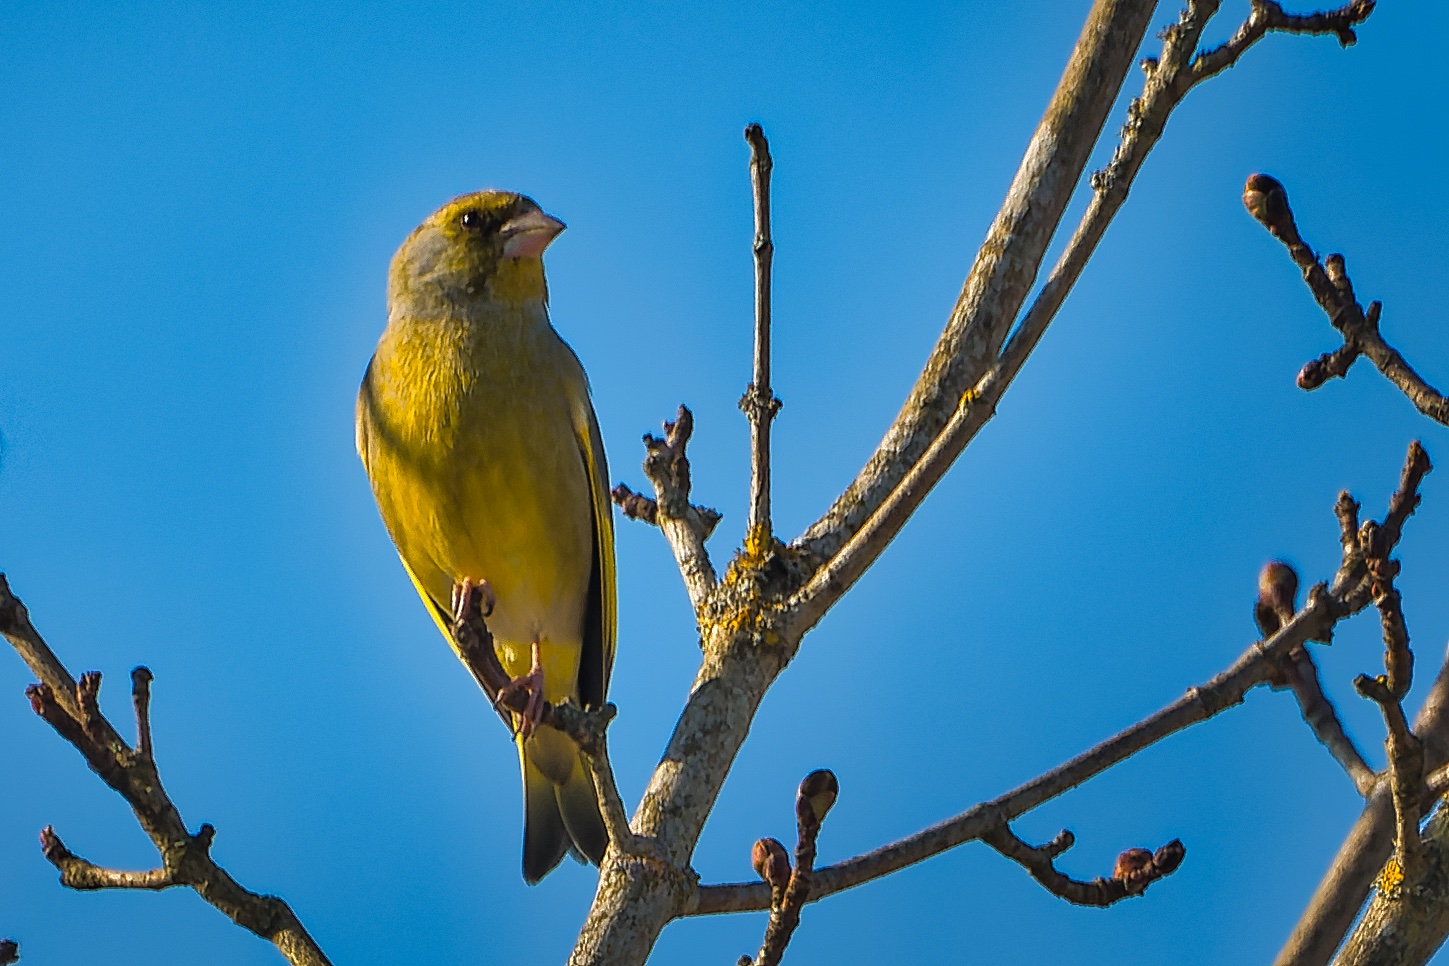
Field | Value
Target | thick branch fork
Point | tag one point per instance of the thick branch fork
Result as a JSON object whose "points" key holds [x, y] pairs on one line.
{"points": [[973, 363]]}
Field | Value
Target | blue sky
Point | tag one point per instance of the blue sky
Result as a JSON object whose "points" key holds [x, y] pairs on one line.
{"points": [[199, 204]]}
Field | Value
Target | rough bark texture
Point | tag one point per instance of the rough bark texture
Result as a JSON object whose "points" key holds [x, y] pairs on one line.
{"points": [[1408, 919], [1006, 265]]}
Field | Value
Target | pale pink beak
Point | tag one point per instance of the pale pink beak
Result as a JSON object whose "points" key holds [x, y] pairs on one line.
{"points": [[528, 234]]}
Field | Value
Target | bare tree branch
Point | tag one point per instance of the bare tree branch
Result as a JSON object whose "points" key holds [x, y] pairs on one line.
{"points": [[1341, 893], [1350, 592], [1321, 716], [790, 888], [1134, 871], [752, 621], [1405, 751], [1277, 596], [1408, 920], [1255, 666], [186, 858], [862, 536], [685, 525], [82, 874], [759, 403], [1267, 201], [1005, 266], [1269, 16], [9, 952]]}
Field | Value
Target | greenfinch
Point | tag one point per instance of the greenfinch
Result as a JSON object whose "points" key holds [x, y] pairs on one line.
{"points": [[476, 430]]}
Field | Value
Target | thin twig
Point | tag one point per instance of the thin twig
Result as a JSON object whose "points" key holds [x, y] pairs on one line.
{"points": [[788, 894], [1277, 596], [84, 875], [588, 727], [1255, 666], [186, 858], [1268, 16], [37, 655], [141, 678], [1134, 871], [1321, 716], [685, 526], [759, 403], [635, 506], [1267, 201], [1405, 750]]}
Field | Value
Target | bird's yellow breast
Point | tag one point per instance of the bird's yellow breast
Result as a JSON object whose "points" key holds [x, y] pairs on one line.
{"points": [[470, 437]]}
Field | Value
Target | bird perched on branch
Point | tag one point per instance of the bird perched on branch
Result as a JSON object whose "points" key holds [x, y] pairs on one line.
{"points": [[476, 430]]}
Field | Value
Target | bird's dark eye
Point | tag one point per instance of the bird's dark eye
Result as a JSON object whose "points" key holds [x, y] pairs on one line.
{"points": [[471, 220]]}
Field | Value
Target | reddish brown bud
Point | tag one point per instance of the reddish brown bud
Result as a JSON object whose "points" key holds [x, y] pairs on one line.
{"points": [[1312, 375], [771, 862], [1264, 198], [818, 792], [1277, 595], [1132, 863]]}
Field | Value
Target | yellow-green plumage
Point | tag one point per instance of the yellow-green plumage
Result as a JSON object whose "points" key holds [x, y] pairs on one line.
{"points": [[475, 427]]}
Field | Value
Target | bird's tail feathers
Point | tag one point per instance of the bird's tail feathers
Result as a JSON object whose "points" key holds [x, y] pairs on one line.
{"points": [[545, 839], [578, 805], [561, 811]]}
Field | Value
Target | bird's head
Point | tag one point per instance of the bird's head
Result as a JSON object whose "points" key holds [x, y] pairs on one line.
{"points": [[488, 244]]}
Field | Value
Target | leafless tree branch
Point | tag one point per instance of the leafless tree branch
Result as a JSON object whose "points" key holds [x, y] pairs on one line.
{"points": [[863, 533], [759, 403], [1002, 274], [790, 888], [1277, 595], [1134, 870], [1350, 593], [186, 858], [752, 621], [1267, 201], [686, 526], [82, 874]]}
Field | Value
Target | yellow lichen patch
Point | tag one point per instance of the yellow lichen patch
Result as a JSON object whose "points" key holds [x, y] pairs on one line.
{"points": [[970, 397], [1391, 878], [757, 545]]}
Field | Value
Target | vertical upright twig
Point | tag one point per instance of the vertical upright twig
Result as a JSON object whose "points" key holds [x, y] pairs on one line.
{"points": [[790, 888], [759, 403], [141, 678]]}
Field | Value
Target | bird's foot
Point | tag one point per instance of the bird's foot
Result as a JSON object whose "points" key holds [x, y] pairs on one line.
{"points": [[463, 595], [528, 719]]}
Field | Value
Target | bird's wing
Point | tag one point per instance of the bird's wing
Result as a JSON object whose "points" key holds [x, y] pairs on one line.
{"points": [[600, 616]]}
